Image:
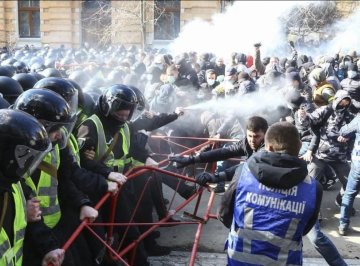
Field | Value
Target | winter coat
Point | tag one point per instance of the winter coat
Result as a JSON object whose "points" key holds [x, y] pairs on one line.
{"points": [[274, 170], [352, 86], [327, 120]]}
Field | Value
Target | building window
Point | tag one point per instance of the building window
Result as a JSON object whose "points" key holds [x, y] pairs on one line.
{"points": [[167, 19], [29, 18]]}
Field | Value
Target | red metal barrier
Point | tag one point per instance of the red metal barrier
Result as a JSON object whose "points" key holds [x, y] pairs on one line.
{"points": [[115, 252]]}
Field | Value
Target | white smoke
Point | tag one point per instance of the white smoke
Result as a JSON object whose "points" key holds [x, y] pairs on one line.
{"points": [[346, 37], [237, 29], [246, 105]]}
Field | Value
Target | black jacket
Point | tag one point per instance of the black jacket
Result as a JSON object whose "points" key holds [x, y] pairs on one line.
{"points": [[274, 170], [238, 149], [87, 131]]}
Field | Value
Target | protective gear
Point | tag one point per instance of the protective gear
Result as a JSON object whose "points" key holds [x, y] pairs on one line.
{"points": [[10, 89], [182, 161], [37, 67], [206, 177], [62, 87], [116, 98], [49, 202], [7, 71], [79, 92], [38, 76], [8, 62], [3, 103], [20, 67], [211, 82], [323, 94], [26, 81], [102, 147], [11, 254], [141, 103], [51, 72], [51, 109], [23, 144], [287, 210]]}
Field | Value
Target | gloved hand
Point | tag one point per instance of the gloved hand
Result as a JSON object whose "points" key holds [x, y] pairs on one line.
{"points": [[182, 161], [206, 177]]}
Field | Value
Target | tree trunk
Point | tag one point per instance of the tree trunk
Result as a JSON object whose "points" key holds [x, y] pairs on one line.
{"points": [[142, 24]]}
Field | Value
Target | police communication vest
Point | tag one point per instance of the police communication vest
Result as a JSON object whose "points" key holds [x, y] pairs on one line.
{"points": [[46, 190], [12, 255], [102, 146], [268, 223]]}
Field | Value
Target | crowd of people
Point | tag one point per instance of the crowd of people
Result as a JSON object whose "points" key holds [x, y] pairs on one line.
{"points": [[74, 121]]}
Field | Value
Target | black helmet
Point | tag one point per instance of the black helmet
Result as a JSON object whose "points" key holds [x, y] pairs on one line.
{"points": [[50, 109], [10, 89], [141, 103], [7, 71], [37, 67], [38, 76], [8, 62], [23, 144], [79, 92], [20, 67], [62, 87], [51, 72], [116, 98], [26, 81], [3, 103]]}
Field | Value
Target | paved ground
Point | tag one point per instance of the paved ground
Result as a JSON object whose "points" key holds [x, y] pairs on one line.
{"points": [[214, 234], [179, 258]]}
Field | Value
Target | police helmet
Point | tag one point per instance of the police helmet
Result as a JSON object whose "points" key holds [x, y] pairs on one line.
{"points": [[115, 98], [23, 144]]}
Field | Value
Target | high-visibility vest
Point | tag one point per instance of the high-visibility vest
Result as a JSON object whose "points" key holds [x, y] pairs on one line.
{"points": [[74, 148], [102, 146], [268, 223], [47, 190], [13, 255], [318, 94]]}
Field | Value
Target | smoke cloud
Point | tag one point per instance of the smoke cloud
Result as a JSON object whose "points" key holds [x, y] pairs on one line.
{"points": [[346, 37], [245, 105], [237, 29]]}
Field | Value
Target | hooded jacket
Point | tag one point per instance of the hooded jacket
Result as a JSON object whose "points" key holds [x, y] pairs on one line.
{"points": [[275, 170], [352, 86], [327, 121]]}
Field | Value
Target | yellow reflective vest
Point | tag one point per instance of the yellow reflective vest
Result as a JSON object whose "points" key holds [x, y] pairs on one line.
{"points": [[47, 190], [102, 146], [12, 255]]}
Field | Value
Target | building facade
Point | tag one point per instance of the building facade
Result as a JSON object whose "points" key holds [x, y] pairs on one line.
{"points": [[72, 23]]}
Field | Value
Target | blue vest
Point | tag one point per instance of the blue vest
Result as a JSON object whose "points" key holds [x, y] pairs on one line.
{"points": [[268, 223]]}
